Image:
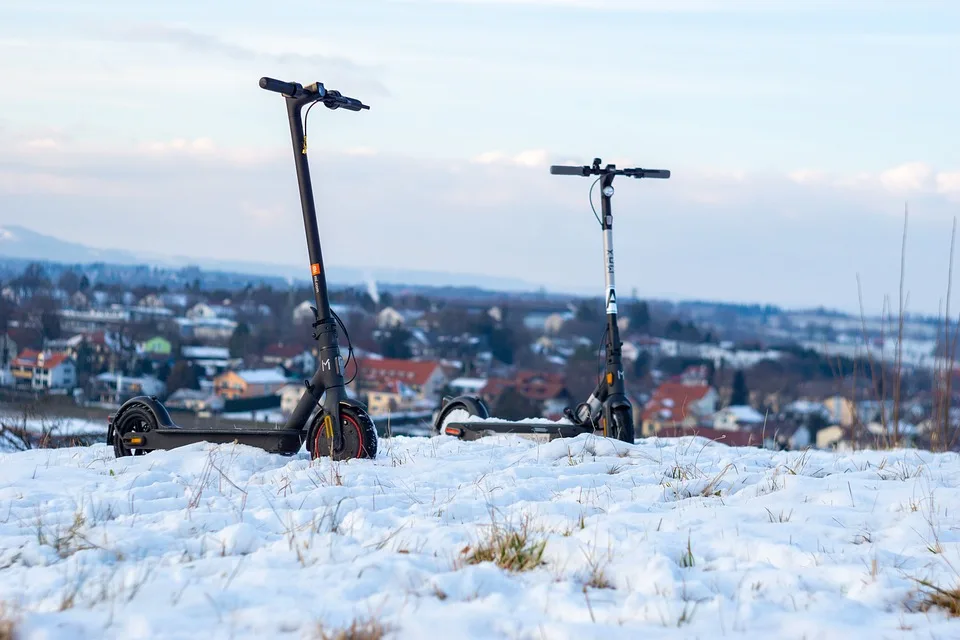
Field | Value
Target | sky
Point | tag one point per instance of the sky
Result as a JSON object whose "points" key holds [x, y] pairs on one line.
{"points": [[797, 134]]}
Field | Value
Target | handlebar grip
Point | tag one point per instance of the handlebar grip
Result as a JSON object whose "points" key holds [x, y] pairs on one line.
{"points": [[279, 86], [654, 173], [562, 170]]}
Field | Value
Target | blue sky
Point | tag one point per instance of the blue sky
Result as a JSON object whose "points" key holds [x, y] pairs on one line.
{"points": [[796, 132]]}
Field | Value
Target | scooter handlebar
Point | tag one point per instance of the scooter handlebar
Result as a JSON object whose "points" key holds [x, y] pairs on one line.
{"points": [[279, 86], [563, 170]]}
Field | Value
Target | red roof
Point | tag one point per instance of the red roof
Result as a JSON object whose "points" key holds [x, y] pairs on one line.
{"points": [[671, 401], [732, 438], [29, 357], [531, 384], [409, 372]]}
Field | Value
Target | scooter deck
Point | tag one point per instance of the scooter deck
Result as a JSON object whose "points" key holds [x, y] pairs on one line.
{"points": [[285, 441], [540, 431]]}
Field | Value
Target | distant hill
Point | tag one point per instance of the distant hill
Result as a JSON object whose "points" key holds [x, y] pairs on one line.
{"points": [[19, 242]]}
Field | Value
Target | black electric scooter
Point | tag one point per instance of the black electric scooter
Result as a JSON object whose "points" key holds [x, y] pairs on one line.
{"points": [[607, 411], [340, 428]]}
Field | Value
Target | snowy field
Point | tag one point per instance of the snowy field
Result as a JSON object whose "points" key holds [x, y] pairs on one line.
{"points": [[670, 538]]}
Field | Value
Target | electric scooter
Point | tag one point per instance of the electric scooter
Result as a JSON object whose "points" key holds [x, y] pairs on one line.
{"points": [[339, 427], [607, 411]]}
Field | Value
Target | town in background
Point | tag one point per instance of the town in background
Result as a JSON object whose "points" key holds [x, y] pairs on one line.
{"points": [[78, 340]]}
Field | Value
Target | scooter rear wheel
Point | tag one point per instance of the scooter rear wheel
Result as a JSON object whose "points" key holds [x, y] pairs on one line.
{"points": [[359, 436], [136, 418]]}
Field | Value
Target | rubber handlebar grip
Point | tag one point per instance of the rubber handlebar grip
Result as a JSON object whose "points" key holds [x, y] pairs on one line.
{"points": [[562, 170], [279, 86]]}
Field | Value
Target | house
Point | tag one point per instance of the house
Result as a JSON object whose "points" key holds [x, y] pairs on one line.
{"points": [[291, 357], [207, 329], [213, 360], [555, 321], [677, 404], [117, 388], [43, 370], [200, 401], [158, 347], [833, 437], [737, 417], [840, 410], [391, 396], [548, 390], [203, 311], [290, 395], [464, 385], [249, 383], [425, 377], [151, 300]]}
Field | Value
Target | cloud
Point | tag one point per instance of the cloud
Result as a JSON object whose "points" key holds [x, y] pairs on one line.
{"points": [[908, 178], [796, 239], [948, 183], [912, 179], [196, 42], [529, 158]]}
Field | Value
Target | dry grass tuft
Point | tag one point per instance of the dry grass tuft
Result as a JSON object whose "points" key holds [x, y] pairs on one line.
{"points": [[934, 597], [510, 549], [8, 623], [359, 629]]}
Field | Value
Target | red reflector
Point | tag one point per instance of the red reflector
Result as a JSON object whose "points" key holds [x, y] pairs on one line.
{"points": [[453, 431]]}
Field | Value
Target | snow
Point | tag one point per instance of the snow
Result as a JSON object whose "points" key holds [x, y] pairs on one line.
{"points": [[697, 539], [205, 353], [743, 413], [58, 426], [262, 376]]}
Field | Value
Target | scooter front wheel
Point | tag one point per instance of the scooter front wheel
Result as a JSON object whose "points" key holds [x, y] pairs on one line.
{"points": [[621, 425], [359, 436]]}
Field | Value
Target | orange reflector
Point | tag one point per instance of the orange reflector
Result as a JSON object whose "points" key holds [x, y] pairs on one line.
{"points": [[609, 378], [453, 431], [135, 440]]}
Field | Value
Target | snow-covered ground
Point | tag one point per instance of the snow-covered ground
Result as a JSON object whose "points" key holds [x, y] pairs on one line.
{"points": [[679, 538], [60, 426]]}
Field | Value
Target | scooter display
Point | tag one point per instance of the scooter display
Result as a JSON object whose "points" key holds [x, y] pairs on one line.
{"points": [[607, 411], [330, 423]]}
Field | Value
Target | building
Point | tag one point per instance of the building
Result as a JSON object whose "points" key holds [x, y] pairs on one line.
{"points": [[678, 404], [546, 390], [737, 417], [249, 383], [213, 360], [291, 357], [199, 401], [426, 378], [43, 370], [203, 311], [157, 346], [392, 396], [290, 396], [117, 388]]}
